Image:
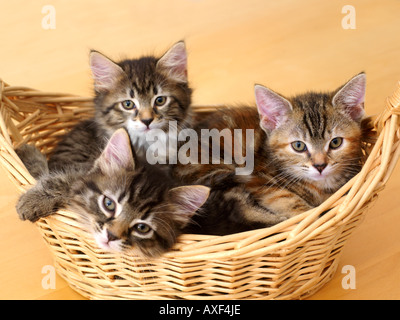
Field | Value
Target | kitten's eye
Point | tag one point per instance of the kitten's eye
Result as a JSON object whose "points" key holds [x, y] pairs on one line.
{"points": [[142, 228], [335, 143], [299, 146], [160, 101], [109, 204], [128, 105]]}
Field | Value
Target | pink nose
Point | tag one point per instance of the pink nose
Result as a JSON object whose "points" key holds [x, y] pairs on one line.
{"points": [[320, 167]]}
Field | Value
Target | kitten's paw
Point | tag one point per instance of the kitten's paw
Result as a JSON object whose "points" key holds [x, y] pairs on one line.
{"points": [[33, 206]]}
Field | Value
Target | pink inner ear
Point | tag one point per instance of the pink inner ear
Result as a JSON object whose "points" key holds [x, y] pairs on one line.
{"points": [[272, 108], [104, 71], [355, 103], [176, 60], [357, 113], [178, 65], [180, 69], [118, 150], [268, 123], [189, 199], [352, 96]]}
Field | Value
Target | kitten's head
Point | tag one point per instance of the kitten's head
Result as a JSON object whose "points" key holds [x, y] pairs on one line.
{"points": [[315, 136], [128, 206], [142, 94]]}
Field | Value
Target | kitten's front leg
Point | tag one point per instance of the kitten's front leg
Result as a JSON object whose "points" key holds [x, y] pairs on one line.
{"points": [[36, 203], [45, 198], [284, 203], [270, 205]]}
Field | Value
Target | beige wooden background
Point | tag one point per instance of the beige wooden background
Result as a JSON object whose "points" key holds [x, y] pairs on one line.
{"points": [[288, 45]]}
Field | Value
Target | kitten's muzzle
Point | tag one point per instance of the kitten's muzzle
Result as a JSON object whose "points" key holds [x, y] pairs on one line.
{"points": [[320, 167], [147, 121], [111, 236]]}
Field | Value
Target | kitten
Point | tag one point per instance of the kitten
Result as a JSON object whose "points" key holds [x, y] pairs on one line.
{"points": [[313, 139], [124, 204], [143, 96], [306, 147]]}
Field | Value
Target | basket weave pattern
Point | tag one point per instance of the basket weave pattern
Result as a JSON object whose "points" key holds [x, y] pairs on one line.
{"points": [[291, 260]]}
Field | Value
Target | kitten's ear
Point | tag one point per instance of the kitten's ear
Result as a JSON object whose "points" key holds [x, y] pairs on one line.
{"points": [[105, 72], [175, 62], [187, 200], [351, 97], [117, 154], [272, 107]]}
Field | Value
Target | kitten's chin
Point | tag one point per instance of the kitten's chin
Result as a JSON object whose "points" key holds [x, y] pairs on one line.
{"points": [[318, 177], [324, 181]]}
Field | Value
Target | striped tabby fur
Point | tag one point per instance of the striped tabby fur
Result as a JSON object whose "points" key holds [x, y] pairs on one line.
{"points": [[125, 205], [139, 95], [306, 148]]}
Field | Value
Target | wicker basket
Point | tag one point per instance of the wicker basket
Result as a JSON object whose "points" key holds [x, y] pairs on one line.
{"points": [[291, 260]]}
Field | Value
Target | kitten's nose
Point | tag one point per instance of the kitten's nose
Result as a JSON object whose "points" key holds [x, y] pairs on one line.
{"points": [[111, 236], [320, 167], [147, 121]]}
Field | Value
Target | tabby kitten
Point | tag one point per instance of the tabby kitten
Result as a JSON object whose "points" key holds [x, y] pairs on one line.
{"points": [[314, 139], [141, 95], [306, 147], [124, 204]]}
